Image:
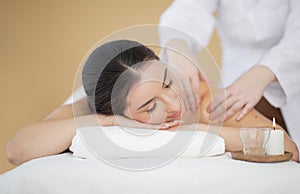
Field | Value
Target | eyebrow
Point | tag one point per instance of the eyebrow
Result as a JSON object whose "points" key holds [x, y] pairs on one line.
{"points": [[146, 103]]}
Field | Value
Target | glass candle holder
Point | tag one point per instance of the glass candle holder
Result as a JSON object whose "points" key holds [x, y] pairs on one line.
{"points": [[254, 140]]}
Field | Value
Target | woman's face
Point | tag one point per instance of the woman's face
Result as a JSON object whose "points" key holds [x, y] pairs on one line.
{"points": [[154, 99]]}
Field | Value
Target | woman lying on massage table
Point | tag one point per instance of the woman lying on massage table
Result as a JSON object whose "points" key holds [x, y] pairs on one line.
{"points": [[126, 83]]}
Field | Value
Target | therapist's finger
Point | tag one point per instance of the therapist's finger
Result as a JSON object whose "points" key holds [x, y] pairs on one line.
{"points": [[245, 111], [220, 110], [236, 106], [232, 105], [223, 107], [191, 96], [216, 102], [195, 103], [184, 95], [187, 95]]}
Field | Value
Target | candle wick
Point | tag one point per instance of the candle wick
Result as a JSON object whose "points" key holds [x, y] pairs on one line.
{"points": [[274, 123]]}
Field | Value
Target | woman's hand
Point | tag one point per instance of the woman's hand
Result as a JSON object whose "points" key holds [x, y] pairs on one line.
{"points": [[118, 120], [186, 72], [242, 95]]}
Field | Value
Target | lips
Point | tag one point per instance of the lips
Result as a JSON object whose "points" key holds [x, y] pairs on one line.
{"points": [[175, 115]]}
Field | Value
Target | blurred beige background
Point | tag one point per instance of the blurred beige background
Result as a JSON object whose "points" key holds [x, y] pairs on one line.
{"points": [[43, 42]]}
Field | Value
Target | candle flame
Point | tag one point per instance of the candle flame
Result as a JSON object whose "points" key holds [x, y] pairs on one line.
{"points": [[274, 123]]}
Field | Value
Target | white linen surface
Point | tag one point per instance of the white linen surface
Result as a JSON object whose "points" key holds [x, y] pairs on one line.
{"points": [[143, 143], [66, 174]]}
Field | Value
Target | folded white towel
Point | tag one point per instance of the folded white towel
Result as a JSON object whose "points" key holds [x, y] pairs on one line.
{"points": [[119, 142]]}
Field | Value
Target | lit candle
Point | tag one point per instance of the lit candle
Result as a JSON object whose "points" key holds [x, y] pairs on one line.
{"points": [[274, 123], [275, 145]]}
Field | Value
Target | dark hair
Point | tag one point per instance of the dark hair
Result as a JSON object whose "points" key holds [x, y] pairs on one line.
{"points": [[110, 72]]}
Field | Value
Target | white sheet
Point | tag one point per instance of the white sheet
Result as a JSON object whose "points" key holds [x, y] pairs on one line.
{"points": [[143, 143], [66, 174]]}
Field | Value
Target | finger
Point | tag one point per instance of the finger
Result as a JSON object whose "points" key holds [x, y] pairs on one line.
{"points": [[223, 107], [217, 101], [164, 127], [190, 89], [245, 111], [184, 101], [171, 124], [190, 98], [184, 96], [186, 89], [217, 112], [194, 103], [233, 110]]}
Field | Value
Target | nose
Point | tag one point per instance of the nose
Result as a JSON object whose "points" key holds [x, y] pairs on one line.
{"points": [[171, 101]]}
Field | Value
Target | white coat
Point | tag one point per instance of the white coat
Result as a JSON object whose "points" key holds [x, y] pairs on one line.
{"points": [[265, 32]]}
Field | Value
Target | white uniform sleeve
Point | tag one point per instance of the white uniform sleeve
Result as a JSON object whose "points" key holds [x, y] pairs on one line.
{"points": [[192, 21], [284, 60]]}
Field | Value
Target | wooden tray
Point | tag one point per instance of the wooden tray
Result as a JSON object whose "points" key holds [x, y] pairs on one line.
{"points": [[239, 155]]}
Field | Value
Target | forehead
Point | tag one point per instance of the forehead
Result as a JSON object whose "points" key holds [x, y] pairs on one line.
{"points": [[153, 70], [149, 84]]}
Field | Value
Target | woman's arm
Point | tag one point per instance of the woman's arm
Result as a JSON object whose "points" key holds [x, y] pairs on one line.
{"points": [[54, 134], [231, 136], [50, 136]]}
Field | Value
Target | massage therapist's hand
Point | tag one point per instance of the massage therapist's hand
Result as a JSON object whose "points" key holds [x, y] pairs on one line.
{"points": [[118, 120], [242, 95], [186, 72]]}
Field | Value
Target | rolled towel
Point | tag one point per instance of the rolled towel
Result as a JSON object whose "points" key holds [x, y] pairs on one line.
{"points": [[117, 142]]}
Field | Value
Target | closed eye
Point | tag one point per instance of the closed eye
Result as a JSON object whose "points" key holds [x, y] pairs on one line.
{"points": [[152, 108]]}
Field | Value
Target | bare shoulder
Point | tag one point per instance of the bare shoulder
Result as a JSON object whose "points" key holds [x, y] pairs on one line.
{"points": [[78, 108], [252, 119]]}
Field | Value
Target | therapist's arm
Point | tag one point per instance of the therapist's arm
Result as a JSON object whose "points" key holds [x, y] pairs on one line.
{"points": [[282, 62], [186, 69], [185, 28], [188, 20]]}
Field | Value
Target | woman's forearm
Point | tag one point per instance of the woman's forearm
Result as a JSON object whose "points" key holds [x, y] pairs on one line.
{"points": [[40, 139], [230, 135], [47, 137]]}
